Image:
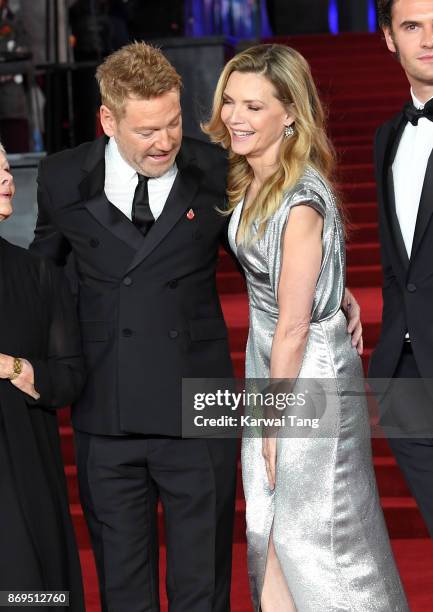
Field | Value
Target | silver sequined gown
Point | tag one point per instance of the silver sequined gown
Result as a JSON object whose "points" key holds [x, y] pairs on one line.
{"points": [[325, 515]]}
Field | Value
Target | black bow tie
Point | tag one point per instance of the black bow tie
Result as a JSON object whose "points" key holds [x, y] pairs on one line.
{"points": [[413, 114]]}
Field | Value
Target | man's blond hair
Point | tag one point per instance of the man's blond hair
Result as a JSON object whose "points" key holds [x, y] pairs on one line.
{"points": [[137, 71]]}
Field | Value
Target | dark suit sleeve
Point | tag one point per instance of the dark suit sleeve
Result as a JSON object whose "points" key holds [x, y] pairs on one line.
{"points": [[48, 241], [59, 377], [388, 272]]}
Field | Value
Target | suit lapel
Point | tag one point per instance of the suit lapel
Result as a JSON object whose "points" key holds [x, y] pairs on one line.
{"points": [[178, 202], [94, 199], [425, 209], [389, 152]]}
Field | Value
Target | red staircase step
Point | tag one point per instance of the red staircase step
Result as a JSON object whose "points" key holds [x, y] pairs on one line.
{"points": [[359, 213], [390, 480], [362, 115], [403, 518], [371, 332], [238, 358], [72, 481], [238, 338], [355, 154], [393, 100], [360, 254], [348, 140], [356, 173], [381, 448], [230, 282], [344, 72], [80, 526], [226, 263], [354, 81], [364, 276], [363, 232], [366, 129], [64, 416], [67, 444], [355, 193]]}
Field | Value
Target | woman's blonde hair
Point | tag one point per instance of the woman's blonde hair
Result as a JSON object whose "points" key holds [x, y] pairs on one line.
{"points": [[290, 75], [137, 70]]}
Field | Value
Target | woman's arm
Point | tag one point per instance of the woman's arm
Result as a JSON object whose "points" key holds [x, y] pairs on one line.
{"points": [[56, 380], [301, 261]]}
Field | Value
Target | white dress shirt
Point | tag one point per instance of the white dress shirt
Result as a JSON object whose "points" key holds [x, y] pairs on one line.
{"points": [[409, 168], [121, 180]]}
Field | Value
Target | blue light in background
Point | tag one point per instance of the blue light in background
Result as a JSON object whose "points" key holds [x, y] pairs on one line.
{"points": [[372, 21], [333, 17]]}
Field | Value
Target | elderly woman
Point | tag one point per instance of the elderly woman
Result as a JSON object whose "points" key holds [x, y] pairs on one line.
{"points": [[41, 369]]}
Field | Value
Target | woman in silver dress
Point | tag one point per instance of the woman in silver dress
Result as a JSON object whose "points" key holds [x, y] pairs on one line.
{"points": [[316, 536]]}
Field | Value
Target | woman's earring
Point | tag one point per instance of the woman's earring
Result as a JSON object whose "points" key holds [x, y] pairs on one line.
{"points": [[288, 131]]}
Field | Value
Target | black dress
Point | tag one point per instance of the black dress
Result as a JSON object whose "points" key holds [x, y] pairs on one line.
{"points": [[38, 322]]}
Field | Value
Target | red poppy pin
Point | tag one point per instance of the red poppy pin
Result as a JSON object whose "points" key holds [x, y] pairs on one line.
{"points": [[190, 214]]}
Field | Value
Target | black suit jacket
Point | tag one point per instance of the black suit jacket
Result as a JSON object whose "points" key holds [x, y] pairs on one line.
{"points": [[148, 306], [408, 285]]}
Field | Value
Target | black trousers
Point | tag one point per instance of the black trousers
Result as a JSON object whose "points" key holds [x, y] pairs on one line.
{"points": [[411, 410], [121, 479]]}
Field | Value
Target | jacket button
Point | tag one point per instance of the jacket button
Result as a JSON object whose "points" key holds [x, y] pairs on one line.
{"points": [[411, 288], [94, 242], [172, 284], [173, 333], [127, 333], [127, 281]]}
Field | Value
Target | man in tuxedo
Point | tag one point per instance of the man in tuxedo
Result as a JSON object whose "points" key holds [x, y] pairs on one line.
{"points": [[138, 210], [404, 172]]}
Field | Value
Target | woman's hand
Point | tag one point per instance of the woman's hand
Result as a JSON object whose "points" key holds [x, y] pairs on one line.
{"points": [[269, 452], [352, 310], [25, 382], [6, 366]]}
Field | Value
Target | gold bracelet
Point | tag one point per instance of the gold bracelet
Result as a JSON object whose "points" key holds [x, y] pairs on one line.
{"points": [[17, 368]]}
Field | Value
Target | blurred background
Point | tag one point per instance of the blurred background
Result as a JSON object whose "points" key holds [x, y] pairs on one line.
{"points": [[49, 50]]}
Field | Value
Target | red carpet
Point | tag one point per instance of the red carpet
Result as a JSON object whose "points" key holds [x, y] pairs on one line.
{"points": [[362, 86]]}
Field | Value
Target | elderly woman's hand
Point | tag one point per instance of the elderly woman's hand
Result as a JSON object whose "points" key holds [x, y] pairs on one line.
{"points": [[25, 381]]}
